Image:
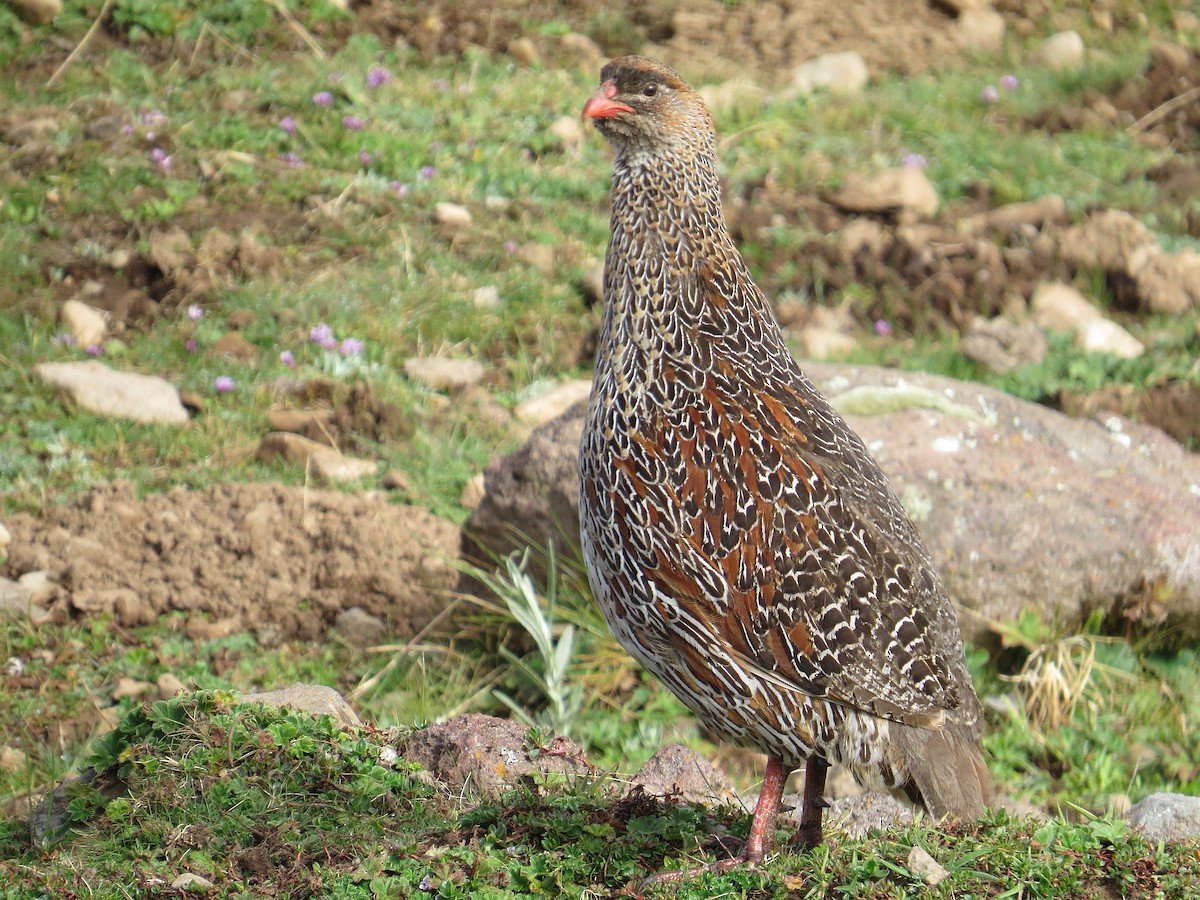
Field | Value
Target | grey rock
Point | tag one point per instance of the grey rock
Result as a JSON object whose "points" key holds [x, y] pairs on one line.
{"points": [[863, 813], [316, 699], [359, 628], [928, 869], [1106, 336], [679, 771], [1020, 505], [119, 395], [485, 756], [1167, 817], [1002, 345]]}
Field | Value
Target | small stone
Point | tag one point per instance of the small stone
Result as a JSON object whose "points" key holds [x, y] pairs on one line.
{"points": [[905, 190], [1059, 307], [15, 599], [553, 403], [1001, 345], [980, 29], [235, 346], [452, 215], [40, 585], [821, 342], [1106, 336], [472, 492], [486, 297], [1167, 817], [359, 628], [5, 537], [316, 699], [200, 629], [38, 12], [189, 881], [568, 130], [325, 463], [681, 772], [841, 73], [582, 49], [130, 687], [737, 93], [121, 395], [524, 51], [1059, 51], [920, 863], [12, 760], [86, 326], [169, 685], [443, 374]]}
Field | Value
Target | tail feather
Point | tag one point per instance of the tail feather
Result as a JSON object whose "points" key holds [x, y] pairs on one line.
{"points": [[947, 774]]}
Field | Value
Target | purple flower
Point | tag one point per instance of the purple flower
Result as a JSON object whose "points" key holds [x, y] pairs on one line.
{"points": [[190, 345], [158, 154], [400, 188], [320, 333], [442, 84], [914, 161], [287, 359], [353, 123], [195, 312], [223, 384], [95, 350], [292, 159], [351, 347], [322, 98], [426, 173], [378, 77], [510, 246], [330, 344], [127, 130], [364, 157], [65, 339], [151, 116], [883, 327], [989, 95], [1009, 82], [288, 124]]}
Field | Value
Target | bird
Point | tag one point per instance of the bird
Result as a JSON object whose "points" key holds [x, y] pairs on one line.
{"points": [[741, 542]]}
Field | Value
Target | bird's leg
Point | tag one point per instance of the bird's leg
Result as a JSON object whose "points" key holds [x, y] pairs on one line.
{"points": [[809, 833], [766, 813], [762, 829]]}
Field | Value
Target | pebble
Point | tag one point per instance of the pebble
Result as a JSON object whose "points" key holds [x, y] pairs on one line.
{"points": [[841, 73], [487, 297], [1059, 52], [524, 51], [980, 29], [1167, 817], [359, 627], [444, 374], [325, 463], [5, 536], [118, 395], [169, 685], [1059, 307], [929, 869], [1106, 336], [553, 402], [130, 687], [472, 492], [452, 215], [86, 326]]}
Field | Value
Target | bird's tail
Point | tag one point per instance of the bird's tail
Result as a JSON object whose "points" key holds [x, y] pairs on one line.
{"points": [[946, 771]]}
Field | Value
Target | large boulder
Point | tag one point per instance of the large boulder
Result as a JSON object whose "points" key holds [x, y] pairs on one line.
{"points": [[1021, 506]]}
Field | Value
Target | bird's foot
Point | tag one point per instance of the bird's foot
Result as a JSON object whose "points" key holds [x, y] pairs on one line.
{"points": [[716, 868]]}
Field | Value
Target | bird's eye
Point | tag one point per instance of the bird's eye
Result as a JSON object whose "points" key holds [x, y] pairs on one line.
{"points": [[650, 90]]}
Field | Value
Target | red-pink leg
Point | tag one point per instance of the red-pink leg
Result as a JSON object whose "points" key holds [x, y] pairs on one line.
{"points": [[766, 813]]}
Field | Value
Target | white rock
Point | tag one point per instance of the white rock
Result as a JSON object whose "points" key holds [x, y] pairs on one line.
{"points": [[980, 29], [838, 72], [39, 584], [568, 130], [5, 536], [553, 402], [737, 92], [15, 598], [1167, 817], [119, 395], [906, 189], [921, 863], [191, 882], [444, 374], [452, 215], [1059, 51], [1106, 336], [487, 297], [819, 342], [1059, 307], [87, 326]]}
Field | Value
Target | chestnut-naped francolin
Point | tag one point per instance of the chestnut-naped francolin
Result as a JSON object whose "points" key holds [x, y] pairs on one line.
{"points": [[740, 540]]}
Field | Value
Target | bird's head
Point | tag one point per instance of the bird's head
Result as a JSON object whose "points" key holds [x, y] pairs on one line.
{"points": [[643, 106]]}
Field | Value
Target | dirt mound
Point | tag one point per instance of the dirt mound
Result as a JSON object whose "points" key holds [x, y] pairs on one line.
{"points": [[280, 561]]}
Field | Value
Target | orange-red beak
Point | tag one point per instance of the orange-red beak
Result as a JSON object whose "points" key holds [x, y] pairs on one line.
{"points": [[601, 104]]}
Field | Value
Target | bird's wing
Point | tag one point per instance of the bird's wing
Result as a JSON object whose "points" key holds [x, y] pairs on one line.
{"points": [[825, 586]]}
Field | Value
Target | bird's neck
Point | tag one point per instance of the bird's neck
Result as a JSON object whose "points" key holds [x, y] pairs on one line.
{"points": [[676, 287]]}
